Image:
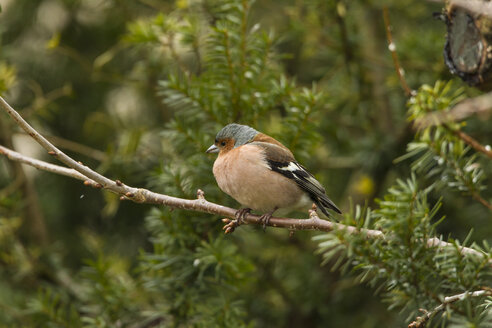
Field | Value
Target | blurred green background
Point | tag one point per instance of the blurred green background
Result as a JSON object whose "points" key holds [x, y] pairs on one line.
{"points": [[137, 89]]}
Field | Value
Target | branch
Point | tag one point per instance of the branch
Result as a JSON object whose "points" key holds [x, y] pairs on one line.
{"points": [[17, 157], [471, 141], [140, 195], [480, 105], [392, 48], [421, 321], [200, 204]]}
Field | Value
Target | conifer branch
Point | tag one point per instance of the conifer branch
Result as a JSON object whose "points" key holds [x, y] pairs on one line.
{"points": [[421, 321]]}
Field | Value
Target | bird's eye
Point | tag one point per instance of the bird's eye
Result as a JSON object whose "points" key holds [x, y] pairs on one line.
{"points": [[223, 143]]}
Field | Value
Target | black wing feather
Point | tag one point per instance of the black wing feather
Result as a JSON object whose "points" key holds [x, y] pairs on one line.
{"points": [[306, 181], [281, 160]]}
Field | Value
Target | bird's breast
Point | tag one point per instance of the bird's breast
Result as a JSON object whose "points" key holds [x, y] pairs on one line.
{"points": [[244, 174]]}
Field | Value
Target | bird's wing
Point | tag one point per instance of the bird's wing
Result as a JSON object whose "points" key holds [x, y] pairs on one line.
{"points": [[283, 162]]}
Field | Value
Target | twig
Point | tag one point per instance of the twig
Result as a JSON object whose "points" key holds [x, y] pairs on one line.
{"points": [[470, 141], [55, 152], [436, 242], [200, 204], [460, 172], [421, 321], [480, 105], [42, 165], [482, 201], [394, 55]]}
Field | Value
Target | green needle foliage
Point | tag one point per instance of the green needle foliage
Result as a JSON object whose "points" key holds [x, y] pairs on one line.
{"points": [[146, 85], [408, 273], [443, 157]]}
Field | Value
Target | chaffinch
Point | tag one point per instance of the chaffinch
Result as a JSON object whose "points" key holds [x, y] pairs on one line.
{"points": [[263, 175]]}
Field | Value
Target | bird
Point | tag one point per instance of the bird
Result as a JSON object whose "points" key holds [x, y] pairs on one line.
{"points": [[263, 175]]}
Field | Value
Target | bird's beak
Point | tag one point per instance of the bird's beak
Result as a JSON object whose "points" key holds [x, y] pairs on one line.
{"points": [[212, 149]]}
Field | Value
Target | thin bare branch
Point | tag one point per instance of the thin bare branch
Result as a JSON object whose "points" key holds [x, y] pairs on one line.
{"points": [[200, 204], [438, 243], [394, 55], [470, 141], [42, 165], [421, 321], [57, 153]]}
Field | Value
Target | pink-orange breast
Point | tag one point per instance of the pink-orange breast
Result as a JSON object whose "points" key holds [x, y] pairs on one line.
{"points": [[244, 174]]}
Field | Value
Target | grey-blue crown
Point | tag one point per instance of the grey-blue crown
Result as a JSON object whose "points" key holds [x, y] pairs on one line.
{"points": [[241, 133]]}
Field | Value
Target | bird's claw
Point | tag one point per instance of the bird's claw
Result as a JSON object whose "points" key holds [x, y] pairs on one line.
{"points": [[313, 211], [265, 220], [230, 225], [241, 214]]}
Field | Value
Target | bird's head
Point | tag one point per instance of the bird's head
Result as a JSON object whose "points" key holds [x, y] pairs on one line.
{"points": [[232, 136]]}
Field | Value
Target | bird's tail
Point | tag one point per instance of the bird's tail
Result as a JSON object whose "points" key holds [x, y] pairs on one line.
{"points": [[324, 204]]}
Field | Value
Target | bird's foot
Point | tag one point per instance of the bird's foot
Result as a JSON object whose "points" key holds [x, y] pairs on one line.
{"points": [[265, 218], [241, 214], [313, 211], [231, 225]]}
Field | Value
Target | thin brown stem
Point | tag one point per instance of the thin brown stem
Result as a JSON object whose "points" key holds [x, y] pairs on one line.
{"points": [[41, 165], [482, 201], [470, 141], [394, 55]]}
